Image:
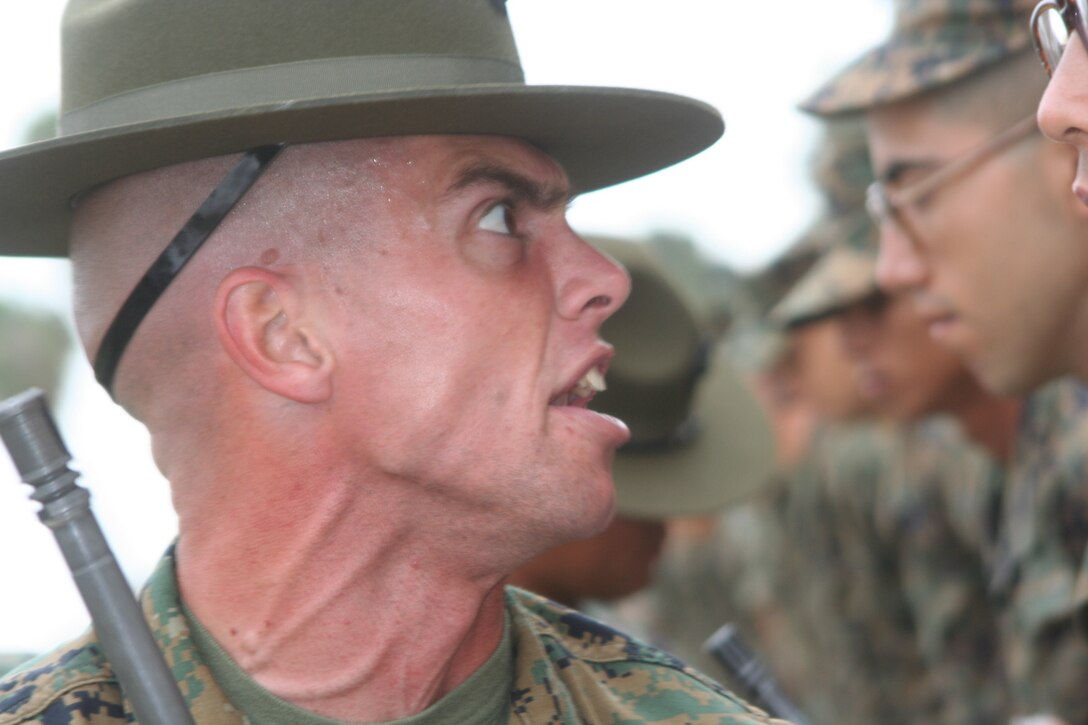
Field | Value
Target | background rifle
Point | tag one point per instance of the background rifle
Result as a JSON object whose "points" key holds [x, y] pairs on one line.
{"points": [[730, 650], [35, 445]]}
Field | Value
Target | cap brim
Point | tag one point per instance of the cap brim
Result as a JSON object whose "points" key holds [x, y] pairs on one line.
{"points": [[909, 65], [729, 461], [844, 276], [601, 136]]}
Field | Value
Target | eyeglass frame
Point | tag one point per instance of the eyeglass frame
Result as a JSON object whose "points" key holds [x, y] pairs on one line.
{"points": [[1072, 17], [884, 204]]}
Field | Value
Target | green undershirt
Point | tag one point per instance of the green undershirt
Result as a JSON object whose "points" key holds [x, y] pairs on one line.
{"points": [[482, 699]]}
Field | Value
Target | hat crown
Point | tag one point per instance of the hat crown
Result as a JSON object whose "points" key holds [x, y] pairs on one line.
{"points": [[115, 47], [661, 353], [933, 43], [153, 83]]}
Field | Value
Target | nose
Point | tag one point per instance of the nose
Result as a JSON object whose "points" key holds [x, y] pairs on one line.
{"points": [[1063, 111], [899, 266], [590, 283]]}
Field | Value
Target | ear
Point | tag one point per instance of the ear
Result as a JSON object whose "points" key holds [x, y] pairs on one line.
{"points": [[260, 322]]}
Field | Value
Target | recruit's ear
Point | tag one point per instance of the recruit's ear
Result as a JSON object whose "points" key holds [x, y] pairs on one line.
{"points": [[260, 324]]}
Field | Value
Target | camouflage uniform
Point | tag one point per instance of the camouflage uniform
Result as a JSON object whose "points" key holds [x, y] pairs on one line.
{"points": [[1040, 547], [918, 542], [11, 660], [776, 568], [568, 668], [884, 561], [909, 506], [1043, 527], [859, 577]]}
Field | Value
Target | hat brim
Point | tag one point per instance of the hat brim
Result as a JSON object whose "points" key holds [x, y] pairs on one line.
{"points": [[907, 66], [601, 136], [730, 460], [843, 277]]}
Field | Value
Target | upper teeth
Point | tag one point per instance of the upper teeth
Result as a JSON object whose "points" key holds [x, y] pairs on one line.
{"points": [[591, 382]]}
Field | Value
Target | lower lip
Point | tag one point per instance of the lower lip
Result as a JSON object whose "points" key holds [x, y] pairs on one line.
{"points": [[614, 429], [941, 329], [1081, 193], [872, 385]]}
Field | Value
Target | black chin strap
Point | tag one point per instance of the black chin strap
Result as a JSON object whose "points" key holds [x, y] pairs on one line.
{"points": [[176, 255]]}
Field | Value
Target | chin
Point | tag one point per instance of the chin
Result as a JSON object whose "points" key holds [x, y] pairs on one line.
{"points": [[595, 516], [574, 515], [1003, 380]]}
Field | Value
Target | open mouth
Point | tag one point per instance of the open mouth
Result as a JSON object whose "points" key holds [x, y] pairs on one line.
{"points": [[582, 391]]}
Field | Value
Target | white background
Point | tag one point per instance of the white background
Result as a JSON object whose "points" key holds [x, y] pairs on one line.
{"points": [[742, 201]]}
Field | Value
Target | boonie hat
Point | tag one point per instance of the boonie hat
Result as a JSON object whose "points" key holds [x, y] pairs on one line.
{"points": [[150, 83], [932, 43], [699, 439]]}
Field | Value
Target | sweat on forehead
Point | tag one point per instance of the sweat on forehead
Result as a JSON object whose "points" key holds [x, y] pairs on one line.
{"points": [[137, 215]]}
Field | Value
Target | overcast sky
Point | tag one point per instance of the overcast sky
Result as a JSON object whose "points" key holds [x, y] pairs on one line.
{"points": [[742, 201]]}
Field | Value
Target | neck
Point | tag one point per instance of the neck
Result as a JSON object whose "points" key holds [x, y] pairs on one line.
{"points": [[289, 573], [991, 422]]}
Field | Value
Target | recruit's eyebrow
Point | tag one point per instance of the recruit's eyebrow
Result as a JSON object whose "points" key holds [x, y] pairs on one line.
{"points": [[522, 188]]}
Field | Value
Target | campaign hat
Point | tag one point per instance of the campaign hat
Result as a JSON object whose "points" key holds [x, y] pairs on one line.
{"points": [[699, 439], [148, 83]]}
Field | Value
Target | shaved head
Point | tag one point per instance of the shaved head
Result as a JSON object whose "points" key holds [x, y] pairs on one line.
{"points": [[290, 217]]}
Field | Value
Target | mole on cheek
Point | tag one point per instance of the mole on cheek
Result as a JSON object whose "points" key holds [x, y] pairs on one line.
{"points": [[269, 256]]}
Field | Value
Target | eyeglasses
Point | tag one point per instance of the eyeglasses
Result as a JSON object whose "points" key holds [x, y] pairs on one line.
{"points": [[890, 205], [1053, 23]]}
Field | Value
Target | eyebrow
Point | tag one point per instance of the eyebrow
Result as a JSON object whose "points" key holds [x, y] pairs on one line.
{"points": [[522, 188]]}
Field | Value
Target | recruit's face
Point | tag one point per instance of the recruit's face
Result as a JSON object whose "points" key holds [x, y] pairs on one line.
{"points": [[468, 325], [898, 366], [824, 374], [995, 264], [1063, 112]]}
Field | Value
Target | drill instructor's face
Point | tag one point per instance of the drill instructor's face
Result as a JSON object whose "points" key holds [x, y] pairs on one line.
{"points": [[995, 263], [469, 329]]}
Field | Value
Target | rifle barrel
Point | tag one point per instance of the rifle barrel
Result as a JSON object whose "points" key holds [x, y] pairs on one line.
{"points": [[31, 437]]}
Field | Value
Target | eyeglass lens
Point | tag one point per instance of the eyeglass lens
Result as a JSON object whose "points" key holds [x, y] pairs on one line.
{"points": [[1054, 27]]}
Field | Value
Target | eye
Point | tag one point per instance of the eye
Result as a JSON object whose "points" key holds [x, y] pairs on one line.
{"points": [[500, 219]]}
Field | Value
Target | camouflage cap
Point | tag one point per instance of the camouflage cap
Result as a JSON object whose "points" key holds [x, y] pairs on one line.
{"points": [[844, 276], [699, 439], [754, 343], [847, 271], [933, 43], [840, 166]]}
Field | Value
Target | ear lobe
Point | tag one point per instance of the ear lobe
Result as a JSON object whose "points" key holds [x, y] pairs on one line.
{"points": [[260, 324]]}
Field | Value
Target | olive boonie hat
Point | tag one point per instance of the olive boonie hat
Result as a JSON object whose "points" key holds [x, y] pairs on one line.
{"points": [[150, 83], [933, 43], [699, 439]]}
